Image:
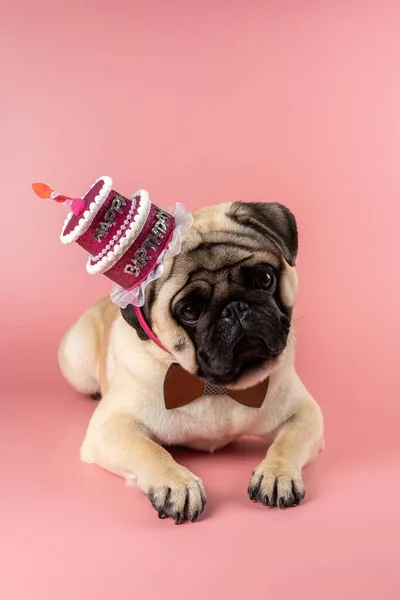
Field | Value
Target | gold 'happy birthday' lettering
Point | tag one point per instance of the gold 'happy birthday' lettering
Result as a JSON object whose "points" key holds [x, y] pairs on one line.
{"points": [[109, 218], [152, 241]]}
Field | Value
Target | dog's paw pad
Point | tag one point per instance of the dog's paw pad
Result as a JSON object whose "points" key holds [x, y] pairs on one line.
{"points": [[274, 485]]}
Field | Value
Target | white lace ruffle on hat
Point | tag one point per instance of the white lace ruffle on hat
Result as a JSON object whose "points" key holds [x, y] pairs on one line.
{"points": [[136, 295]]}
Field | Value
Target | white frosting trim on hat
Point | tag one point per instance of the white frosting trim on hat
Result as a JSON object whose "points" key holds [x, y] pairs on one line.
{"points": [[89, 214], [136, 296], [132, 232]]}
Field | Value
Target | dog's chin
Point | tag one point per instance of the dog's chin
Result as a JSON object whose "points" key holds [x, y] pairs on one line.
{"points": [[252, 373]]}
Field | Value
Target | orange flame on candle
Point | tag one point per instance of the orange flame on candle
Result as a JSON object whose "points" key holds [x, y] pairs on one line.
{"points": [[44, 191]]}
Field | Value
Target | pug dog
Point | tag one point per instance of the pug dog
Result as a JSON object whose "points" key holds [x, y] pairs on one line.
{"points": [[223, 311]]}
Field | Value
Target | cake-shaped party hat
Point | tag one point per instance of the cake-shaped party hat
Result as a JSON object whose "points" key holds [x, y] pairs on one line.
{"points": [[127, 239]]}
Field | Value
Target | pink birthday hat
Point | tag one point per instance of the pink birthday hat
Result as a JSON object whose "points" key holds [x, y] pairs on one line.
{"points": [[128, 240]]}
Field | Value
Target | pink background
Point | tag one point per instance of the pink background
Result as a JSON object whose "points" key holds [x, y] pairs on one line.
{"points": [[204, 102]]}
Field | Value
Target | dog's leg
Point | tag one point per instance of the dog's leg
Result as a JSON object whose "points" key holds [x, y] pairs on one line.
{"points": [[122, 445], [78, 354], [277, 480]]}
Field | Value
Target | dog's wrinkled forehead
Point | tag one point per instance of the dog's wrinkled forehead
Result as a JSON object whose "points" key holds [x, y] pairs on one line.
{"points": [[225, 232]]}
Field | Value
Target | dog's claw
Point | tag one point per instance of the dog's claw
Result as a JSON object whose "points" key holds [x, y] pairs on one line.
{"points": [[274, 488]]}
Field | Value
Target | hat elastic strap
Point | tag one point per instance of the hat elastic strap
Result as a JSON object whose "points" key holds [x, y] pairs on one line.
{"points": [[146, 328]]}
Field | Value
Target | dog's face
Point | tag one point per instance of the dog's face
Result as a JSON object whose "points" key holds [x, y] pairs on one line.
{"points": [[223, 306]]}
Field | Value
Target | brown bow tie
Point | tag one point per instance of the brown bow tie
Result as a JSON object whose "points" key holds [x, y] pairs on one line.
{"points": [[181, 387]]}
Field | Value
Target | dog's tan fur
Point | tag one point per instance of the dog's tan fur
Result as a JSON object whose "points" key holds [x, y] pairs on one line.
{"points": [[130, 426]]}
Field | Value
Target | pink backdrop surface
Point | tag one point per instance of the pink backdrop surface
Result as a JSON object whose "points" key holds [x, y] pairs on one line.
{"points": [[204, 102]]}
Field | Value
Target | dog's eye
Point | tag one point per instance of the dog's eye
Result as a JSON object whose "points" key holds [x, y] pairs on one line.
{"points": [[191, 312], [264, 278]]}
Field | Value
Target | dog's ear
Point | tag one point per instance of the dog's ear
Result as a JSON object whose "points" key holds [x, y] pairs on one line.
{"points": [[272, 220], [130, 317]]}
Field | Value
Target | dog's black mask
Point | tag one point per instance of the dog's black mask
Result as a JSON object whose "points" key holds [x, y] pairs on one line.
{"points": [[243, 331]]}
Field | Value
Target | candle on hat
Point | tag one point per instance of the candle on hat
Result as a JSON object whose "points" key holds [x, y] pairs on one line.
{"points": [[44, 191]]}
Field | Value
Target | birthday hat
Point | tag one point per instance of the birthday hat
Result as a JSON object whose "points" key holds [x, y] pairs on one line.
{"points": [[128, 240]]}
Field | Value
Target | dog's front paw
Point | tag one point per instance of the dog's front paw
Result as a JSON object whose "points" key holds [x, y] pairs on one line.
{"points": [[276, 484], [180, 495]]}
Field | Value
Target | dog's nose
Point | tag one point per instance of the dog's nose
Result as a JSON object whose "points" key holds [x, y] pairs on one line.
{"points": [[235, 309]]}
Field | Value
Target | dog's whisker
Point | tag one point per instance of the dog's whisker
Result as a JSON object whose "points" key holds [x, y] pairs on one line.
{"points": [[301, 318]]}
